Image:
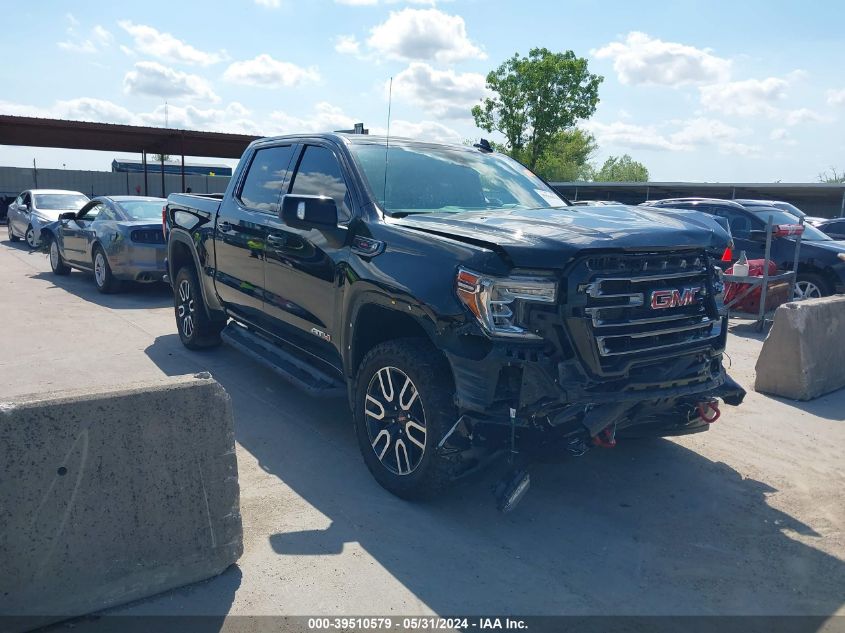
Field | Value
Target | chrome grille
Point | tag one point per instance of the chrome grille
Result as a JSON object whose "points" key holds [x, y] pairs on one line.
{"points": [[643, 305]]}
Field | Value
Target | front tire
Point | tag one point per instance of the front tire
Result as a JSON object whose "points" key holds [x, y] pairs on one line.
{"points": [[29, 236], [811, 286], [196, 329], [403, 407], [57, 264], [103, 277]]}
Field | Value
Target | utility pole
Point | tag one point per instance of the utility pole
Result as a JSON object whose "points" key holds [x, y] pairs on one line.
{"points": [[35, 173]]}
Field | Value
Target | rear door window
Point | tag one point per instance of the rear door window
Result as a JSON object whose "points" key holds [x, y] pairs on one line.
{"points": [[262, 186]]}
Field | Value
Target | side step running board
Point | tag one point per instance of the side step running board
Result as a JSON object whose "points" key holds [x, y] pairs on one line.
{"points": [[297, 371]]}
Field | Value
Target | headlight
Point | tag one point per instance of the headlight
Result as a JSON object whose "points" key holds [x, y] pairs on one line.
{"points": [[492, 299]]}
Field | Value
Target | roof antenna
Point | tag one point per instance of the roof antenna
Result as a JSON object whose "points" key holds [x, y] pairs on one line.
{"points": [[387, 143]]}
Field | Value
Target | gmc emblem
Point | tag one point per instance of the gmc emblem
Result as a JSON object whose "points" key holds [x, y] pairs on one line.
{"points": [[661, 299]]}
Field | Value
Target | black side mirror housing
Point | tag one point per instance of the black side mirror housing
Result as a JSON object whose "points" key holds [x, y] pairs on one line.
{"points": [[308, 212], [758, 235], [70, 215]]}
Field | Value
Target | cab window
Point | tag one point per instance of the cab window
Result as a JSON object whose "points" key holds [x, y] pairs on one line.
{"points": [[262, 186], [319, 174]]}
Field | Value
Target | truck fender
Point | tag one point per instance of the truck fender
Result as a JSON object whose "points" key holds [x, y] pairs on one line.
{"points": [[211, 303]]}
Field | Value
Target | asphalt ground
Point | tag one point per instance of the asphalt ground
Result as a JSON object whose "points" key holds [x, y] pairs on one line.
{"points": [[744, 519]]}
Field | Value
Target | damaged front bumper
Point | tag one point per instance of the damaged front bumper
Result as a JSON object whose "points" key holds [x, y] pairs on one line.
{"points": [[559, 396]]}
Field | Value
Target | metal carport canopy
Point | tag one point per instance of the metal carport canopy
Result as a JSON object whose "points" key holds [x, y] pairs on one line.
{"points": [[37, 132]]}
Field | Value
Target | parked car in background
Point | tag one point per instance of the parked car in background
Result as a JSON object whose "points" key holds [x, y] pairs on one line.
{"points": [[820, 271], [117, 238], [783, 206], [37, 207], [833, 228]]}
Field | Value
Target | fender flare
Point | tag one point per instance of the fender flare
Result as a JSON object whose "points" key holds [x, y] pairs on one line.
{"points": [[210, 302]]}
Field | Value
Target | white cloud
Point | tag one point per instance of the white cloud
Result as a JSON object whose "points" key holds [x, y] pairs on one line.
{"points": [[688, 135], [836, 97], [641, 59], [423, 34], [234, 118], [155, 43], [325, 118], [357, 3], [804, 115], [347, 45], [750, 97], [630, 135], [264, 71], [443, 93], [154, 79], [423, 131], [270, 4], [90, 109], [103, 36], [78, 46], [128, 51], [76, 43]]}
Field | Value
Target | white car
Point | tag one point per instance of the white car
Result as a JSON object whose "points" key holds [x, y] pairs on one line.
{"points": [[35, 208]]}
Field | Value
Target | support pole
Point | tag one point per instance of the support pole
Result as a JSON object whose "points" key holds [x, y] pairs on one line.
{"points": [[182, 147], [144, 160], [163, 192]]}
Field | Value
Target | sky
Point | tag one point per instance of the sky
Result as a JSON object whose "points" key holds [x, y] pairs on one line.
{"points": [[749, 91]]}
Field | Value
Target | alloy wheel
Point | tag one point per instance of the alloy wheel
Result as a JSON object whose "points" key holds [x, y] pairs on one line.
{"points": [[30, 238], [806, 290], [395, 420], [185, 309], [54, 254], [100, 269]]}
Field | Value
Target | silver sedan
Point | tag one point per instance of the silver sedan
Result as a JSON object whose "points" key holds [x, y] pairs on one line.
{"points": [[118, 238], [35, 208]]}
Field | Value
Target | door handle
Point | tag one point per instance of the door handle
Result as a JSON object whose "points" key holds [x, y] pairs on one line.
{"points": [[224, 226], [276, 240]]}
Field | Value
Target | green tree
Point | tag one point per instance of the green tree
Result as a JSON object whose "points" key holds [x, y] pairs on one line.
{"points": [[621, 169], [832, 177], [568, 157], [535, 98]]}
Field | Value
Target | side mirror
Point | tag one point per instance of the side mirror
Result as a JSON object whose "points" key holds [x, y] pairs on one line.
{"points": [[308, 212], [24, 208], [758, 235], [70, 215]]}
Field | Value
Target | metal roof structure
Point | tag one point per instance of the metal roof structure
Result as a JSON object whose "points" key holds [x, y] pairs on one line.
{"points": [[814, 198], [36, 132]]}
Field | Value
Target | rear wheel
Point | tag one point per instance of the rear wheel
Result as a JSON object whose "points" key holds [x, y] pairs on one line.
{"points": [[56, 262], [103, 277], [196, 329], [403, 408], [811, 286], [12, 236]]}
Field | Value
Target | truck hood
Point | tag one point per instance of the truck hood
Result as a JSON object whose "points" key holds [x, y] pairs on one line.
{"points": [[549, 238]]}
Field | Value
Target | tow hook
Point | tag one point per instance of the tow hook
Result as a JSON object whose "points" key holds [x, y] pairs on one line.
{"points": [[606, 437], [709, 411]]}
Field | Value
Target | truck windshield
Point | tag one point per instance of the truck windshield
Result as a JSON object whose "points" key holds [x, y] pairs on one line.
{"points": [[427, 179]]}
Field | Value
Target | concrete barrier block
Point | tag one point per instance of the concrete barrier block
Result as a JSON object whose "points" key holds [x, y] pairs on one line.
{"points": [[110, 495], [803, 356]]}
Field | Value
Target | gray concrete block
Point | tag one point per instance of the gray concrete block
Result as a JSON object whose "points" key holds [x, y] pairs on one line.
{"points": [[110, 495], [803, 356]]}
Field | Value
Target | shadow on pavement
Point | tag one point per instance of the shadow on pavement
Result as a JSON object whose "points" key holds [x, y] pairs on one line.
{"points": [[131, 296], [648, 528]]}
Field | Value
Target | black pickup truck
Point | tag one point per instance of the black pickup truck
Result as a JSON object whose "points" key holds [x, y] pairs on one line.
{"points": [[465, 309]]}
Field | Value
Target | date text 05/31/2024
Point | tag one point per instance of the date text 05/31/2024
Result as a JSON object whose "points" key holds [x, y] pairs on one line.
{"points": [[416, 623]]}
